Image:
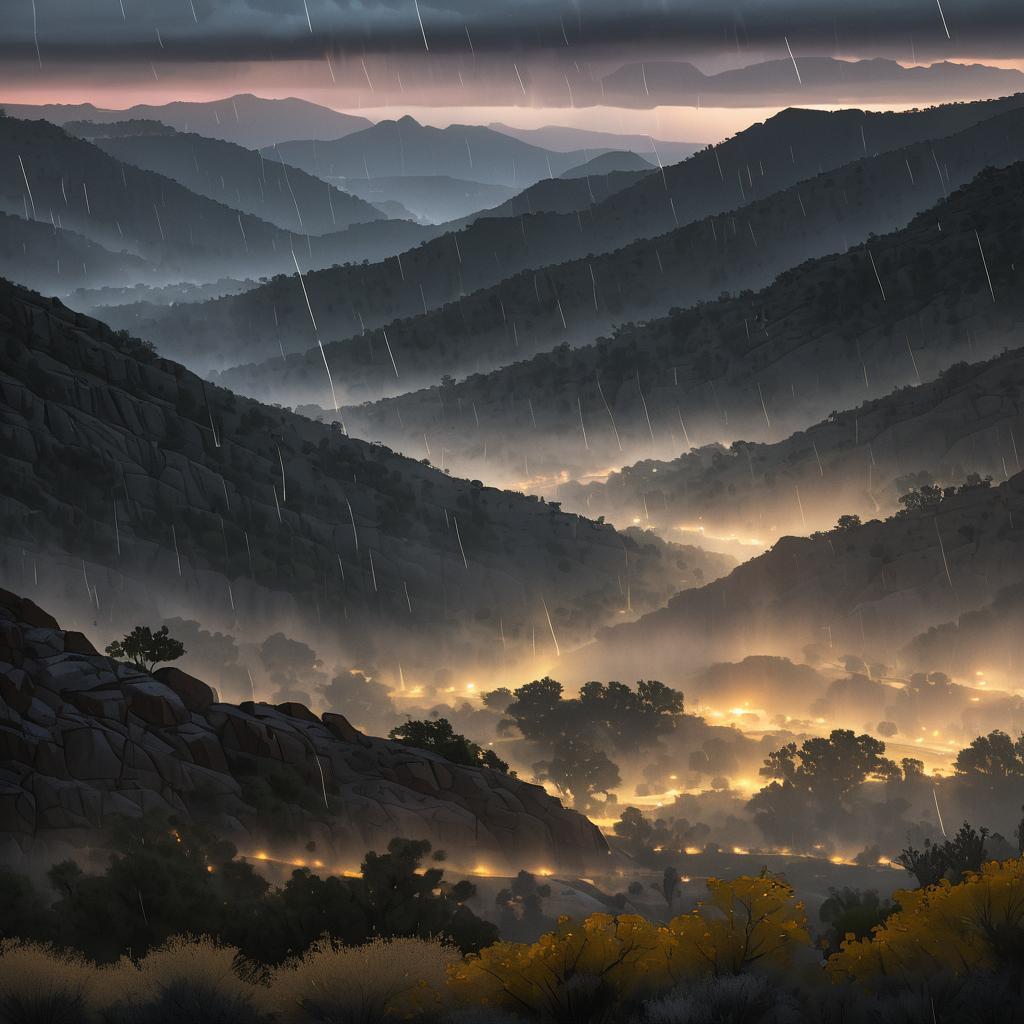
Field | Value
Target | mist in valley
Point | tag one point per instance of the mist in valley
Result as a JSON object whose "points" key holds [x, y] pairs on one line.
{"points": [[531, 544]]}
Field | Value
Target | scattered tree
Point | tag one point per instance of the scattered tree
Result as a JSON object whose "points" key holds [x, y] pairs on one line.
{"points": [[145, 648], [580, 772], [950, 859], [438, 735]]}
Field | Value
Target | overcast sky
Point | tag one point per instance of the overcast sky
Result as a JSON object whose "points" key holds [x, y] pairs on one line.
{"points": [[327, 50], [257, 29]]}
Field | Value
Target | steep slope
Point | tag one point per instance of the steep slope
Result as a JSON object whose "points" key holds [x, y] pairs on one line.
{"points": [[56, 260], [168, 497], [806, 80], [867, 590], [247, 120], [235, 176], [858, 462], [86, 740], [74, 184], [787, 149], [396, 148], [757, 367]]}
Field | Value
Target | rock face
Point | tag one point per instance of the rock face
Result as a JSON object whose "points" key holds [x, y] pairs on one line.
{"points": [[85, 739]]}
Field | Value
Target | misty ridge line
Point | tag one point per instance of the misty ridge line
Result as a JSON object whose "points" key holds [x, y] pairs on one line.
{"points": [[81, 188], [756, 367], [645, 208]]}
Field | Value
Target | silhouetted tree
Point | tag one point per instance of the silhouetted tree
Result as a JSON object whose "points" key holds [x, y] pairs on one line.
{"points": [[440, 736], [948, 859], [580, 772], [995, 756], [145, 648]]}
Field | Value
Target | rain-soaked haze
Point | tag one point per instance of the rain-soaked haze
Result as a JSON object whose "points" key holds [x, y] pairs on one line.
{"points": [[585, 436]]}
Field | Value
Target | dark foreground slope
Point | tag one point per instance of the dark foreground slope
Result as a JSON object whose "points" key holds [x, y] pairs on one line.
{"points": [[134, 491], [85, 740]]}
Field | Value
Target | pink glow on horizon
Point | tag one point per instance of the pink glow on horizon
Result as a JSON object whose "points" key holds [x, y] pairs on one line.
{"points": [[123, 86]]}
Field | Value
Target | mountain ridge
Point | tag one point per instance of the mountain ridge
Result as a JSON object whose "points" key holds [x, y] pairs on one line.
{"points": [[491, 251]]}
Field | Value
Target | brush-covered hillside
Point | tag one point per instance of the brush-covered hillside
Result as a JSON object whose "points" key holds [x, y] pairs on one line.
{"points": [[136, 491], [865, 589], [822, 337], [858, 462], [90, 741]]}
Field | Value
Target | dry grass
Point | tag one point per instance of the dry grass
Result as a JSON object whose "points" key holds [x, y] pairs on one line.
{"points": [[38, 982], [199, 962], [334, 984]]}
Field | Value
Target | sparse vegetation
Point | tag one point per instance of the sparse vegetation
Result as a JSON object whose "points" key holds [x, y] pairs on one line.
{"points": [[438, 736], [145, 648]]}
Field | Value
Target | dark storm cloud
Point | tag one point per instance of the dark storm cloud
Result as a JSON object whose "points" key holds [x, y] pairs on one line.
{"points": [[279, 29]]}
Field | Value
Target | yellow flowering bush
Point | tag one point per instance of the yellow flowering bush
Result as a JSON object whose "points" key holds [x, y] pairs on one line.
{"points": [[956, 929], [750, 920], [605, 961]]}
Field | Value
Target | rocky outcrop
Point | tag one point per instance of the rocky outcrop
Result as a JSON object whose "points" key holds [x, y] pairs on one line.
{"points": [[85, 739]]}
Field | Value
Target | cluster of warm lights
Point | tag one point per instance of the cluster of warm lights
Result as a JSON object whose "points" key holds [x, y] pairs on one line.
{"points": [[753, 542]]}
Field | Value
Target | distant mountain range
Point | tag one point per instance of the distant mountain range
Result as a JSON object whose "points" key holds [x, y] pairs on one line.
{"points": [[406, 147], [609, 163], [248, 120], [565, 194], [805, 80], [577, 301], [232, 175], [563, 139], [66, 182], [134, 490], [763, 160]]}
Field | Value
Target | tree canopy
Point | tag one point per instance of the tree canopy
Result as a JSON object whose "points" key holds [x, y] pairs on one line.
{"points": [[145, 648], [439, 736]]}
